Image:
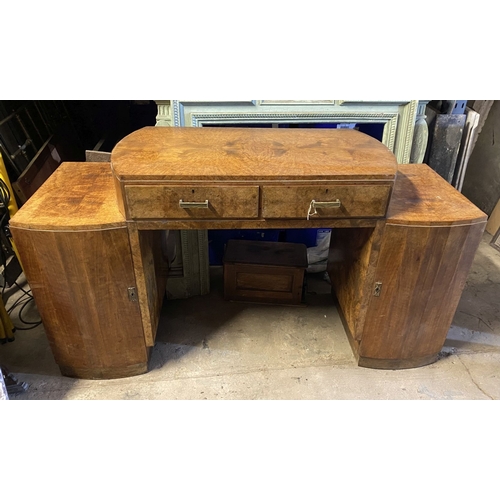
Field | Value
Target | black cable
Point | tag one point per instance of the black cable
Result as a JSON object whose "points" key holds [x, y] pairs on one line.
{"points": [[23, 301], [33, 324], [30, 328], [26, 292], [4, 206], [20, 301], [27, 322], [17, 303]]}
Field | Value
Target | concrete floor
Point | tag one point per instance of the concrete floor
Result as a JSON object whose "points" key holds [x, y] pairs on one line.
{"points": [[211, 349]]}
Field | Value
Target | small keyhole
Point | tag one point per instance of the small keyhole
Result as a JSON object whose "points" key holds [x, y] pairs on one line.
{"points": [[326, 191], [132, 295], [192, 191]]}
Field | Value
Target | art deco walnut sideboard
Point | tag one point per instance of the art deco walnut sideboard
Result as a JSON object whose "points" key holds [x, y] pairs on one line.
{"points": [[90, 239]]}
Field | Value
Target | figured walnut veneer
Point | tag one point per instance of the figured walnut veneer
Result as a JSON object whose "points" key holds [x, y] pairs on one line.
{"points": [[420, 257], [246, 154], [245, 173], [402, 244], [80, 259]]}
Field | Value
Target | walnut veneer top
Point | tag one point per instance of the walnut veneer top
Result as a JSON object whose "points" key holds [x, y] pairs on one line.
{"points": [[77, 196], [422, 197], [224, 153], [82, 196]]}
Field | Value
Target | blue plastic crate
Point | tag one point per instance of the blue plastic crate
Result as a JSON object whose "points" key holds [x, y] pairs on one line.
{"points": [[309, 237], [305, 236]]}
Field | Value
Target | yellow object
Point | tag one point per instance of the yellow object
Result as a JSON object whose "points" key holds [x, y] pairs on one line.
{"points": [[4, 176], [13, 208], [6, 325]]}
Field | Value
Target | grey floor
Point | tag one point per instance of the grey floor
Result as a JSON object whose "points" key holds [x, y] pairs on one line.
{"points": [[211, 349]]}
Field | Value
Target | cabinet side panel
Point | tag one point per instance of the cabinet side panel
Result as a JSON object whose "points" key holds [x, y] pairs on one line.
{"points": [[351, 265], [155, 270], [119, 196], [151, 270], [80, 283]]}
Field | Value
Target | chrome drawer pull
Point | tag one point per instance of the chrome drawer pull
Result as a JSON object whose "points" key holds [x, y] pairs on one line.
{"points": [[193, 204], [321, 204], [329, 204]]}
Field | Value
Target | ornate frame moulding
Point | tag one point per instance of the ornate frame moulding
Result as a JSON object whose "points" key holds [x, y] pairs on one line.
{"points": [[296, 103]]}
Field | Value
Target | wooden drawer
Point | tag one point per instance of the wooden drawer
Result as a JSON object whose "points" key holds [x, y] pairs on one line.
{"points": [[356, 200], [217, 202]]}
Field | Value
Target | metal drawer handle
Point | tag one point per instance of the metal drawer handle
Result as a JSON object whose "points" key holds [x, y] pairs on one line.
{"points": [[193, 204], [321, 204], [329, 204]]}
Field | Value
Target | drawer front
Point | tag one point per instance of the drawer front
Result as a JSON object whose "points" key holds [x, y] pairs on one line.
{"points": [[188, 202], [294, 202]]}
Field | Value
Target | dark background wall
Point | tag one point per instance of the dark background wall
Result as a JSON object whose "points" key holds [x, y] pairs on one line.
{"points": [[73, 126]]}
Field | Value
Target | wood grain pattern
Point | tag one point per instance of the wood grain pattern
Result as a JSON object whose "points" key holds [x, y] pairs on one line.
{"points": [[74, 244], [151, 271], [162, 202], [80, 255], [225, 153], [252, 223], [77, 196], [263, 284], [269, 282], [422, 197], [423, 272], [293, 202], [266, 253], [120, 196], [266, 272], [421, 255], [351, 265], [430, 238], [80, 281]]}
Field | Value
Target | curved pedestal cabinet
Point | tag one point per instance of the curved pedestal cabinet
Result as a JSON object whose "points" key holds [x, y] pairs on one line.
{"points": [[77, 257], [398, 285]]}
